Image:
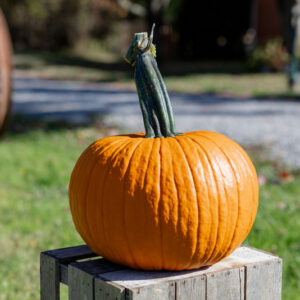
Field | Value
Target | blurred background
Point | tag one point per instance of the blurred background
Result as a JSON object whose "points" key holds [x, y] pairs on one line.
{"points": [[230, 66]]}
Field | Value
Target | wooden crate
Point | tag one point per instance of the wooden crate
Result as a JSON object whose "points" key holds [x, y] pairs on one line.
{"points": [[247, 273]]}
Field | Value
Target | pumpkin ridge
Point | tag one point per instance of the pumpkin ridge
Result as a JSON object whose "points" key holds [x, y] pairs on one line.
{"points": [[230, 248], [219, 236], [170, 175], [178, 198], [237, 187], [144, 179], [199, 149], [97, 154], [100, 220], [160, 211], [124, 203], [77, 205], [75, 176], [254, 186], [84, 213], [177, 139], [206, 196], [248, 163], [241, 154], [216, 186]]}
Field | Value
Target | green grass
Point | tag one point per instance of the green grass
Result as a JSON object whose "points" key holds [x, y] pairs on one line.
{"points": [[35, 216], [34, 209], [228, 79]]}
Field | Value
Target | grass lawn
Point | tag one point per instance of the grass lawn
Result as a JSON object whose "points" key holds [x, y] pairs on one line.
{"points": [[229, 79], [35, 216]]}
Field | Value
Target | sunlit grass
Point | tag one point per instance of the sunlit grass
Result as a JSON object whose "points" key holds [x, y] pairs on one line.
{"points": [[226, 78]]}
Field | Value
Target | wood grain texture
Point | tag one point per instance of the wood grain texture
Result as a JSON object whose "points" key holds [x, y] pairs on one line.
{"points": [[190, 289], [63, 273], [134, 279], [229, 284], [81, 284], [49, 278], [263, 280], [163, 291], [106, 290]]}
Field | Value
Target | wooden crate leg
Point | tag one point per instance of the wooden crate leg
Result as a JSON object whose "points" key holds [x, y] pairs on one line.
{"points": [[106, 290], [263, 280], [81, 284], [229, 284], [49, 277]]}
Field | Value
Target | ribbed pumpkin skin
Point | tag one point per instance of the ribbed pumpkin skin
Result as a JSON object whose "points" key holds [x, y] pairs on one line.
{"points": [[170, 203]]}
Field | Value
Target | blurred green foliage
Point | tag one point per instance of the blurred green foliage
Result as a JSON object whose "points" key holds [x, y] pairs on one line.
{"points": [[272, 56], [53, 24]]}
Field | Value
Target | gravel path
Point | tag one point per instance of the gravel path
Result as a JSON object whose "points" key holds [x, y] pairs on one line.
{"points": [[249, 122]]}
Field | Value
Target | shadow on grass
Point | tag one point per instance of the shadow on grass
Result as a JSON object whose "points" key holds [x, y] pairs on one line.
{"points": [[169, 68], [22, 124], [287, 96], [64, 59]]}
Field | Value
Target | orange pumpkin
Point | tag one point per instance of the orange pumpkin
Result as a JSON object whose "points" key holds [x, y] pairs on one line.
{"points": [[173, 202]]}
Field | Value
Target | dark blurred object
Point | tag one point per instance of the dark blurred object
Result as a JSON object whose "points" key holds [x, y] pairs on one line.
{"points": [[51, 25], [186, 29], [292, 42], [5, 73], [213, 29]]}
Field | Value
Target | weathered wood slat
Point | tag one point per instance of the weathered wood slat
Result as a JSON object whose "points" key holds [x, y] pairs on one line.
{"points": [[193, 288], [229, 284], [163, 291], [49, 278], [81, 284], [106, 290], [98, 266], [263, 280], [63, 272], [72, 253]]}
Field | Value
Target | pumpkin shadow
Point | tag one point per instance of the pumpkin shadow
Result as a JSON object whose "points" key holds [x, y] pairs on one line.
{"points": [[131, 278]]}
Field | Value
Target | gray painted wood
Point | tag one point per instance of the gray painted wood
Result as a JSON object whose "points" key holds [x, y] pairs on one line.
{"points": [[163, 291], [106, 290], [229, 284], [81, 284], [263, 280], [191, 289], [49, 278]]}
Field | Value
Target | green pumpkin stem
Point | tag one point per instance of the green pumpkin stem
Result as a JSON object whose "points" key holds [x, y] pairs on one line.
{"points": [[153, 95]]}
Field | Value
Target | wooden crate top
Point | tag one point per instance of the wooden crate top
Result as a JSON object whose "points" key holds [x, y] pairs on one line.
{"points": [[242, 257]]}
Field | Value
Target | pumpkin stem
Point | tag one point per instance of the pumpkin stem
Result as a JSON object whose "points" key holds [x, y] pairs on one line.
{"points": [[153, 96]]}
